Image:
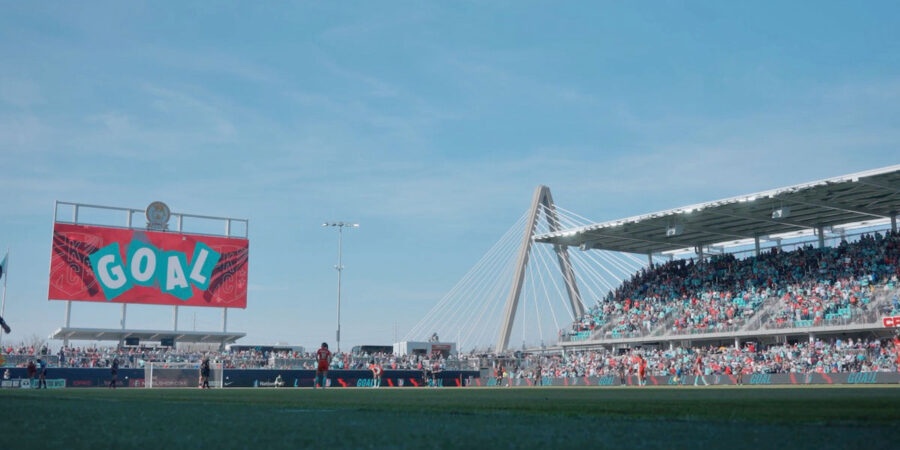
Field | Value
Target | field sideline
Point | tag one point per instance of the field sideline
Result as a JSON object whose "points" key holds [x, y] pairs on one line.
{"points": [[585, 417]]}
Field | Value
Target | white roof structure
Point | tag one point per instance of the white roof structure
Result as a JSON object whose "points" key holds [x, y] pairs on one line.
{"points": [[118, 334], [858, 200]]}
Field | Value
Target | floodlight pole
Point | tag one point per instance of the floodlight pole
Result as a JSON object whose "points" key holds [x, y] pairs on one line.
{"points": [[340, 268]]}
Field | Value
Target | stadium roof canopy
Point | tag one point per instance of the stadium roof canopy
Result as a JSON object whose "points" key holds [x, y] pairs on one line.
{"points": [[832, 205], [117, 334]]}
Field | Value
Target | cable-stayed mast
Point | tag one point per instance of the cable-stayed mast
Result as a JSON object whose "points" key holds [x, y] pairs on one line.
{"points": [[542, 202]]}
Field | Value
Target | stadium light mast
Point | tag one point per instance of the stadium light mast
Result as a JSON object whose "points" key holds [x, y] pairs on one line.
{"points": [[340, 268]]}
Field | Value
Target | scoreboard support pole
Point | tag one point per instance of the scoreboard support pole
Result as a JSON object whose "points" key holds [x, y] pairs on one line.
{"points": [[68, 320], [122, 338], [224, 327]]}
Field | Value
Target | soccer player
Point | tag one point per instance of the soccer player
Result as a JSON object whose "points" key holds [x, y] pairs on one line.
{"points": [[32, 370], [642, 371], [42, 373], [114, 373], [376, 374], [698, 371], [204, 374], [426, 375], [323, 356], [435, 371]]}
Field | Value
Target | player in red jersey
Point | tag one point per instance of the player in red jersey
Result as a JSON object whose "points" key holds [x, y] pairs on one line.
{"points": [[698, 371], [642, 371], [376, 374], [323, 357]]}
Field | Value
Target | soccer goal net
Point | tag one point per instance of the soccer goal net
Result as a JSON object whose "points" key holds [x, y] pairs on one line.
{"points": [[159, 375]]}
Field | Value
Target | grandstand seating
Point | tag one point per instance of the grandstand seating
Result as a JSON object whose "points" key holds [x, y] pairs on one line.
{"points": [[806, 287]]}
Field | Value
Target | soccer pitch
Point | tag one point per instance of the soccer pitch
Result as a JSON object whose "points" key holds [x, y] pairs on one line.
{"points": [[652, 417]]}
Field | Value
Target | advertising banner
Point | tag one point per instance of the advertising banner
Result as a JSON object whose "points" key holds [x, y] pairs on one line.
{"points": [[117, 265]]}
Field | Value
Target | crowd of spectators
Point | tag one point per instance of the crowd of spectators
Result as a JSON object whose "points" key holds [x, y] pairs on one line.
{"points": [[128, 357], [813, 286], [838, 280], [138, 357], [805, 357]]}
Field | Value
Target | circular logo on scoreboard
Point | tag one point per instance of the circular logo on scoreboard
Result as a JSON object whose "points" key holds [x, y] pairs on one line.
{"points": [[158, 216]]}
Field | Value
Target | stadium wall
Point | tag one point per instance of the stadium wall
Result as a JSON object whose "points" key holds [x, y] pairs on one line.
{"points": [[99, 377]]}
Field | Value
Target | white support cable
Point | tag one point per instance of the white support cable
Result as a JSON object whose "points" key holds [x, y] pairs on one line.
{"points": [[495, 280], [620, 265], [571, 221], [578, 258], [543, 225], [561, 220], [552, 278], [465, 284], [616, 263], [613, 263], [588, 278], [478, 293], [494, 309], [471, 296], [562, 298], [635, 259], [630, 260], [491, 296], [534, 295], [570, 212], [579, 221], [474, 270], [584, 284], [602, 266], [566, 280], [547, 296]]}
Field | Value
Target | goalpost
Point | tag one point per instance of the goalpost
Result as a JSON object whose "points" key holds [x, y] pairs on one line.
{"points": [[168, 375]]}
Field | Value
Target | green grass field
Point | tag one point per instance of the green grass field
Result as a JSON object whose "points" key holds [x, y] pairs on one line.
{"points": [[663, 417]]}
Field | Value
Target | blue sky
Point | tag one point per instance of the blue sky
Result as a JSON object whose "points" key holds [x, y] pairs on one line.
{"points": [[429, 123]]}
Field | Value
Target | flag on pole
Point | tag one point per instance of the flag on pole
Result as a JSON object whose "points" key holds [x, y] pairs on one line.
{"points": [[3, 265]]}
